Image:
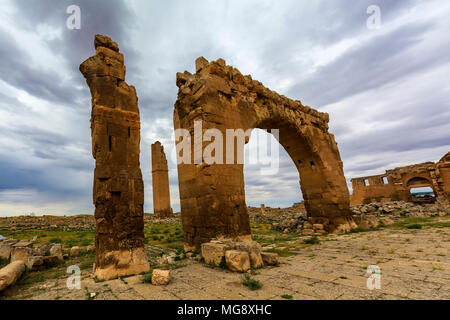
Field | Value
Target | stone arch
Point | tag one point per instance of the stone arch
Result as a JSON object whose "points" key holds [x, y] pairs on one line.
{"points": [[212, 196], [418, 181]]}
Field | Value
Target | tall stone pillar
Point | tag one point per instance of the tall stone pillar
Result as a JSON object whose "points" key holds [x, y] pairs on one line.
{"points": [[160, 178], [118, 186]]}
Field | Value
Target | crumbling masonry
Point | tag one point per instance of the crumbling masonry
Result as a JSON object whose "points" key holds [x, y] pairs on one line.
{"points": [[395, 184], [118, 187], [160, 180], [212, 195]]}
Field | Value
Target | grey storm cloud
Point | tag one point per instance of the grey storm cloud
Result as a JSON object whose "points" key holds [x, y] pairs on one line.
{"points": [[386, 79]]}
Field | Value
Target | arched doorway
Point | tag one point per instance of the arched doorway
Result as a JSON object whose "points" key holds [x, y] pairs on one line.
{"points": [[421, 190], [219, 106], [270, 176]]}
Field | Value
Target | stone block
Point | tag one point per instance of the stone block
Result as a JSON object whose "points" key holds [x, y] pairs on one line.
{"points": [[238, 261]]}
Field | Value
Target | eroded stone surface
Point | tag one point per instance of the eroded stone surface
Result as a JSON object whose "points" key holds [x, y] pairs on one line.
{"points": [[11, 273], [118, 185], [160, 181], [213, 195], [160, 277], [238, 261], [270, 258]]}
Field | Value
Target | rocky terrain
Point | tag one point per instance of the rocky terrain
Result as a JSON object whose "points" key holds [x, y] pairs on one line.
{"points": [[294, 219], [414, 264], [300, 260]]}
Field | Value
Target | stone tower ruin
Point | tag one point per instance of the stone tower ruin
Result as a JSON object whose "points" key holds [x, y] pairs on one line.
{"points": [[118, 186], [160, 180]]}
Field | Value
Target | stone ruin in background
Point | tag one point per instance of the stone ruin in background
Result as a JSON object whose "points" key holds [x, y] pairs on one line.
{"points": [[213, 196], [395, 185], [118, 187], [160, 180]]}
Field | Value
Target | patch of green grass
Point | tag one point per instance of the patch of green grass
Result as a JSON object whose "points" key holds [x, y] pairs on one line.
{"points": [[55, 240], [437, 267], [252, 284], [439, 224], [357, 230], [343, 277], [223, 264], [415, 222], [3, 262], [176, 246], [147, 277], [287, 296], [86, 264], [155, 230], [86, 242], [312, 240]]}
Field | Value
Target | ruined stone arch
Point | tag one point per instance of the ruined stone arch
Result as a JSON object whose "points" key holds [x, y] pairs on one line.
{"points": [[418, 181], [212, 197]]}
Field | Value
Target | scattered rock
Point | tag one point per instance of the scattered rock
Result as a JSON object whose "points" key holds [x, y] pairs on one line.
{"points": [[238, 261], [386, 221], [5, 250], [21, 254], [213, 253], [56, 250], [27, 244], [35, 262], [11, 273], [270, 258], [253, 249], [160, 277], [42, 250], [75, 251]]}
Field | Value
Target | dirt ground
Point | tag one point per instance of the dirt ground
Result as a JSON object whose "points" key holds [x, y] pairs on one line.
{"points": [[415, 264]]}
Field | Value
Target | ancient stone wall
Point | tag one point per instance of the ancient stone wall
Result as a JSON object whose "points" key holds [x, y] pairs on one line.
{"points": [[443, 181], [160, 180], [118, 186], [398, 182], [213, 195]]}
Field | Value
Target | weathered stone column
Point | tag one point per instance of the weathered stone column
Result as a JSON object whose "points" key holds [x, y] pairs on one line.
{"points": [[118, 187], [160, 179]]}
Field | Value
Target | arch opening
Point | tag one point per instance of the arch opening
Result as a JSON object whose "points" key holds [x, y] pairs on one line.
{"points": [[269, 181], [421, 190]]}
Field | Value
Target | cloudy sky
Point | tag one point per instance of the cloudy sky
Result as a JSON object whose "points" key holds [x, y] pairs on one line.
{"points": [[386, 89]]}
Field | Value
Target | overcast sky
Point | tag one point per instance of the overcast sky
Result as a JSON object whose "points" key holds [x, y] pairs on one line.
{"points": [[386, 90]]}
